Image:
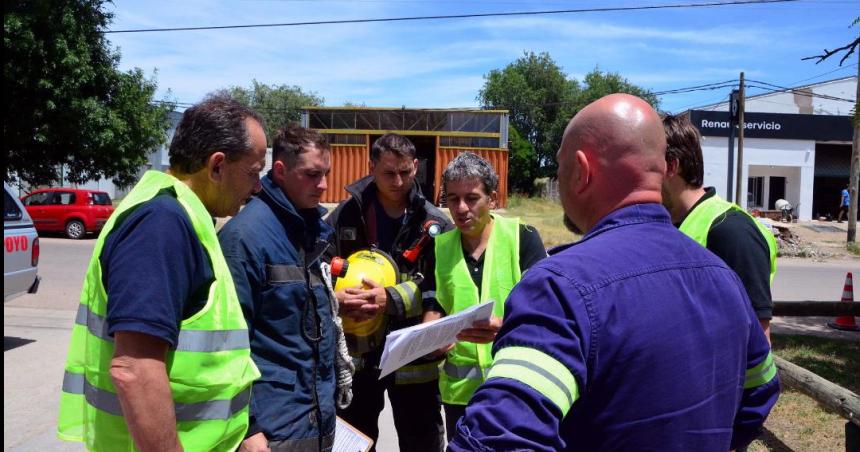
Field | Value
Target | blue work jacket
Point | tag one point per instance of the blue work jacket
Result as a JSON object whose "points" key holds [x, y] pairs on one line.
{"points": [[273, 252], [633, 338]]}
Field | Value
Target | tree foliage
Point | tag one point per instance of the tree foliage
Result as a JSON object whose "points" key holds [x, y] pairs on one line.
{"points": [[67, 104], [536, 93], [541, 99], [522, 163], [278, 104]]}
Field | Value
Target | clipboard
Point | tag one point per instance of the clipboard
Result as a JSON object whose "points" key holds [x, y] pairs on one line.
{"points": [[349, 439]]}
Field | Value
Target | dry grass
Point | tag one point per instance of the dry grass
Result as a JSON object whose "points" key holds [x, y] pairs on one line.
{"points": [[545, 215], [797, 422]]}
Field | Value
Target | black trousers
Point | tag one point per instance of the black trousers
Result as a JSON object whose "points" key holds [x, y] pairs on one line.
{"points": [[453, 413], [417, 410]]}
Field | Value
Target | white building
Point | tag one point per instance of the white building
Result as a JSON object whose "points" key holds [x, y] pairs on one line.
{"points": [[797, 146]]}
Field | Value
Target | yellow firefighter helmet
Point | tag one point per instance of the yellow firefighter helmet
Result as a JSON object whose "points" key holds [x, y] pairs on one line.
{"points": [[373, 265]]}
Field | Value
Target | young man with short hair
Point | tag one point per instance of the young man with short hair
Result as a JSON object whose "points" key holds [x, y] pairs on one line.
{"points": [[386, 211], [743, 243], [273, 247]]}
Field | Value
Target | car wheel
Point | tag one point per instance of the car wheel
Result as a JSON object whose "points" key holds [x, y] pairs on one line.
{"points": [[75, 230]]}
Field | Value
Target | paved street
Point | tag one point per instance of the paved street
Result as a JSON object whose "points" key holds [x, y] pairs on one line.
{"points": [[37, 327], [36, 331]]}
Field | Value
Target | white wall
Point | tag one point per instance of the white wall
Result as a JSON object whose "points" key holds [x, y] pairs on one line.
{"points": [[792, 175], [793, 159]]}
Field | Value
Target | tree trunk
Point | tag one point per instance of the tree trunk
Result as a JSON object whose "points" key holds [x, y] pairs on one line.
{"points": [[855, 165]]}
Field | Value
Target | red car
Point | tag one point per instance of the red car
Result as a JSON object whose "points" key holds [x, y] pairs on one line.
{"points": [[73, 211]]}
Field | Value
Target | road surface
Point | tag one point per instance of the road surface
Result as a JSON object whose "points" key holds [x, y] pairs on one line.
{"points": [[37, 327]]}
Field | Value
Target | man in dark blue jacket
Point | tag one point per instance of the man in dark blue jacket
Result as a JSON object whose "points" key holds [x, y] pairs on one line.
{"points": [[272, 248], [633, 338]]}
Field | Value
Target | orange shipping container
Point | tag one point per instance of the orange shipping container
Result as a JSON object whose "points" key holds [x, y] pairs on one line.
{"points": [[497, 157], [349, 162]]}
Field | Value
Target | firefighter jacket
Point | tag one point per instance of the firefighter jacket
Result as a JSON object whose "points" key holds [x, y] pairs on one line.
{"points": [[273, 252], [353, 232]]}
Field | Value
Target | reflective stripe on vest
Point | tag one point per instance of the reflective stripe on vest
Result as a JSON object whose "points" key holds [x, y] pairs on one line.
{"points": [[189, 340], [203, 411], [210, 371], [467, 363], [417, 373], [699, 221], [460, 372]]}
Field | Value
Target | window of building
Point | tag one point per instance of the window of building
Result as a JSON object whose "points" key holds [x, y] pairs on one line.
{"points": [[755, 192]]}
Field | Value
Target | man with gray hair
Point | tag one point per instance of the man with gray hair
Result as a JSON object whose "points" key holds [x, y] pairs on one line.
{"points": [[478, 261]]}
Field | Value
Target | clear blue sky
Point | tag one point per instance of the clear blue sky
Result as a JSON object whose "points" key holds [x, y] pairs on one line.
{"points": [[442, 63]]}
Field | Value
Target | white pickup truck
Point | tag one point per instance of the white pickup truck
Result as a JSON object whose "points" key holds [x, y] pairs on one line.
{"points": [[21, 249]]}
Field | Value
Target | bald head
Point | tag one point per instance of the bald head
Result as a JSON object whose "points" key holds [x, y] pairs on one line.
{"points": [[619, 127], [612, 155]]}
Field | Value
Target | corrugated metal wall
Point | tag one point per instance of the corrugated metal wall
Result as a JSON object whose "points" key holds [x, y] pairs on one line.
{"points": [[348, 164], [497, 157]]}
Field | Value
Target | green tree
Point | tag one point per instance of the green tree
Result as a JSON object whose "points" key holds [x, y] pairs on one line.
{"points": [[522, 163], [279, 104], [542, 99], [536, 92], [67, 104], [597, 84]]}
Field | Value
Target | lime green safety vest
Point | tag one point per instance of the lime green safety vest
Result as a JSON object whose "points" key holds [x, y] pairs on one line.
{"points": [[699, 220], [210, 371], [466, 365]]}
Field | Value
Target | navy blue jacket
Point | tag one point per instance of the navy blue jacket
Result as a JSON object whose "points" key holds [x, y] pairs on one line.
{"points": [[633, 338], [273, 251]]}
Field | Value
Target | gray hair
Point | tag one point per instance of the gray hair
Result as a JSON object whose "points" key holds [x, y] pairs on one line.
{"points": [[469, 165], [215, 124]]}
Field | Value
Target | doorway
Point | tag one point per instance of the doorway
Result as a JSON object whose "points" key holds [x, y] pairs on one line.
{"points": [[776, 191]]}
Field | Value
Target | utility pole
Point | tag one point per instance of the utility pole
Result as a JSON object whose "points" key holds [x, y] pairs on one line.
{"points": [[733, 122], [854, 178], [739, 181]]}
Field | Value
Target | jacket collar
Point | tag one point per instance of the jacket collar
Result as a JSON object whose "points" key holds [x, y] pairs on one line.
{"points": [[284, 209], [633, 214]]}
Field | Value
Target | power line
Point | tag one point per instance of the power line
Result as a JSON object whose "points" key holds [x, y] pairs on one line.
{"points": [[841, 68], [458, 16], [796, 91]]}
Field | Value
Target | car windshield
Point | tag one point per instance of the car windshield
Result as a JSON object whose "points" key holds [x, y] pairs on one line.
{"points": [[101, 199]]}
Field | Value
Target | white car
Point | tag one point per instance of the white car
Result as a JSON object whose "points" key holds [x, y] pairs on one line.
{"points": [[21, 249]]}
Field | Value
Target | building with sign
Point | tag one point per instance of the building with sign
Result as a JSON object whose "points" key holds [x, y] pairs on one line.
{"points": [[438, 135], [797, 147]]}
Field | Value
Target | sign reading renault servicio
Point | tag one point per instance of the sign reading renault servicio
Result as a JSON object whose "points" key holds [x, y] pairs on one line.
{"points": [[776, 125]]}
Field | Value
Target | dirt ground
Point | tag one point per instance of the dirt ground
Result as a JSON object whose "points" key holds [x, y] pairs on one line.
{"points": [[826, 240]]}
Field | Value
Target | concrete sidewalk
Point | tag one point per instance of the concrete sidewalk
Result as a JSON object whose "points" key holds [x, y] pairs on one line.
{"points": [[811, 326]]}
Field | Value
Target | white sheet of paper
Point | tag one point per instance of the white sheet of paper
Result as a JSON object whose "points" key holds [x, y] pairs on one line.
{"points": [[348, 439], [408, 344]]}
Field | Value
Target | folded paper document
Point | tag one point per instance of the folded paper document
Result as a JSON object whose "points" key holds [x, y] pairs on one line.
{"points": [[408, 344]]}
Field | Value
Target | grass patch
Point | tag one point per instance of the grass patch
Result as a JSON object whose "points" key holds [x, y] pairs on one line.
{"points": [[545, 215], [854, 248], [797, 422]]}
